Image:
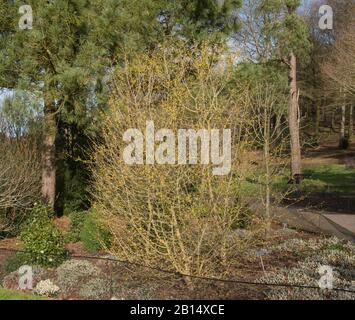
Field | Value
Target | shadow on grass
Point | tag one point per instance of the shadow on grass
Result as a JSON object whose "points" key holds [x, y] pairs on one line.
{"points": [[328, 188], [333, 178]]}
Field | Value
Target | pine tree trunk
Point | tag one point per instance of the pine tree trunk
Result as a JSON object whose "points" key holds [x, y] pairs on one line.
{"points": [[293, 122], [48, 156]]}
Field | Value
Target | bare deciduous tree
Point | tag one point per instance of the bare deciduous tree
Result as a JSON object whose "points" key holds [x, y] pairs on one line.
{"points": [[339, 68], [268, 125], [20, 175], [19, 180]]}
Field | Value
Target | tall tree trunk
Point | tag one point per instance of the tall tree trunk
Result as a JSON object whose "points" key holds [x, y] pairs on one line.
{"points": [[332, 121], [351, 121], [342, 122], [293, 122], [318, 110], [323, 112], [48, 155], [343, 140]]}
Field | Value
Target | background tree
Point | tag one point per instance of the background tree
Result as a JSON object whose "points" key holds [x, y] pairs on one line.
{"points": [[198, 20], [254, 44], [321, 96], [267, 126], [289, 35], [66, 61]]}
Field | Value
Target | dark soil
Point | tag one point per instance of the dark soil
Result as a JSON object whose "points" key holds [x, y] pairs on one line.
{"points": [[324, 202]]}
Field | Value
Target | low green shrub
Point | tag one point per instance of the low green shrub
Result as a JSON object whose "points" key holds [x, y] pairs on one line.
{"points": [[93, 234], [14, 262], [43, 242], [77, 220]]}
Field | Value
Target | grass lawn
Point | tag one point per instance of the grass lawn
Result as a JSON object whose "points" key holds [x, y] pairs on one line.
{"points": [[331, 178], [317, 179], [17, 295]]}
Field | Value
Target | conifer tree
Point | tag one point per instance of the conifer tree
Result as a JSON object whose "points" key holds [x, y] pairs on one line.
{"points": [[290, 37]]}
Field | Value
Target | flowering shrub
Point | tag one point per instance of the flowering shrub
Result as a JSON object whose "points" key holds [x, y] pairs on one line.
{"points": [[177, 216]]}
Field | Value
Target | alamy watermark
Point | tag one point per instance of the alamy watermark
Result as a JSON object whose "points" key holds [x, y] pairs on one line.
{"points": [[325, 282], [167, 147], [25, 281], [326, 20], [26, 20], [327, 278]]}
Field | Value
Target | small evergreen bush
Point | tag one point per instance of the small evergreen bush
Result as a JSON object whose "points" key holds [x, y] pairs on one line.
{"points": [[43, 242], [77, 220]]}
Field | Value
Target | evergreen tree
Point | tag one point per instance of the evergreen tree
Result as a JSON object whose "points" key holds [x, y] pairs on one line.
{"points": [[202, 19], [290, 37], [66, 60]]}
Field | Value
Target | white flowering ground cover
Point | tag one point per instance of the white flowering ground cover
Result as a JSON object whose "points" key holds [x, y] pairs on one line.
{"points": [[314, 253], [293, 258]]}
